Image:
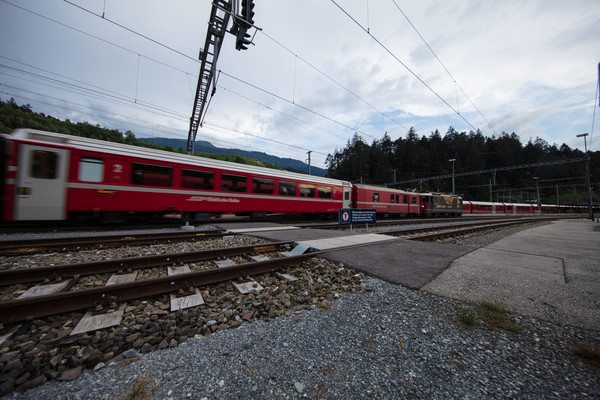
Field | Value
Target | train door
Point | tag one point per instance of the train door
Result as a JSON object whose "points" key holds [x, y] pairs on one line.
{"points": [[41, 177], [347, 202]]}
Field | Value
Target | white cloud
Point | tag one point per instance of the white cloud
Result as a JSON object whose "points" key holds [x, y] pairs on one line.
{"points": [[529, 67]]}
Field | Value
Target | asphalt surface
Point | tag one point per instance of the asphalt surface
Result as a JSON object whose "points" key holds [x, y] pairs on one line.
{"points": [[550, 271]]}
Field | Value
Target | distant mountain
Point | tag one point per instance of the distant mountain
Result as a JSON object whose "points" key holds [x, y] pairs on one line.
{"points": [[202, 146]]}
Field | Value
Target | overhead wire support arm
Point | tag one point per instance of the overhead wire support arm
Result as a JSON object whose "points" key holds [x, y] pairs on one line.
{"points": [[484, 171], [217, 27]]}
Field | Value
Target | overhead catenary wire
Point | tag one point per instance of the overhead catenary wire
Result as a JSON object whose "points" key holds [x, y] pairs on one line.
{"points": [[288, 116], [297, 105], [331, 78], [92, 90], [137, 54], [185, 55], [403, 64], [443, 66]]}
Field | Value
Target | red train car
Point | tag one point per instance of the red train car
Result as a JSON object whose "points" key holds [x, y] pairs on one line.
{"points": [[51, 176], [386, 200]]}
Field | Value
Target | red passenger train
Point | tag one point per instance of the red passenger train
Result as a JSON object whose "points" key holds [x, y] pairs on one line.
{"points": [[51, 176], [486, 207]]}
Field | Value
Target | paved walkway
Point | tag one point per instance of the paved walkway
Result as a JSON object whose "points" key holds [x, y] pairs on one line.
{"points": [[551, 272]]}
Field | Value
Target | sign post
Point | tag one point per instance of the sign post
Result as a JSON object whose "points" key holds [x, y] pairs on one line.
{"points": [[349, 216]]}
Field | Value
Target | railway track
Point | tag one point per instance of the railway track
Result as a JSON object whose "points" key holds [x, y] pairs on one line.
{"points": [[106, 296], [421, 221], [15, 247], [437, 232], [15, 310]]}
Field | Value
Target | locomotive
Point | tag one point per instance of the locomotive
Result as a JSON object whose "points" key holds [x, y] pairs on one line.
{"points": [[51, 176]]}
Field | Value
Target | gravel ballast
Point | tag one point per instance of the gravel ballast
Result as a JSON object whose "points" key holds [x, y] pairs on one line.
{"points": [[388, 342], [384, 342]]}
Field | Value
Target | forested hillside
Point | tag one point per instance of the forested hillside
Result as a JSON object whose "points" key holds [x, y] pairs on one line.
{"points": [[420, 157], [14, 116]]}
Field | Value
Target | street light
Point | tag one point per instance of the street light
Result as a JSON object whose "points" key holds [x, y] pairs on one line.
{"points": [[587, 175], [452, 161], [537, 189]]}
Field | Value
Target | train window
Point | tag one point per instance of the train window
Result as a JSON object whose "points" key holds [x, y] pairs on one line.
{"points": [[375, 197], [413, 199], [346, 194], [287, 188], [233, 183], [91, 169], [44, 164], [192, 179], [392, 199], [324, 192], [404, 199], [264, 186], [397, 198], [307, 190], [151, 175]]}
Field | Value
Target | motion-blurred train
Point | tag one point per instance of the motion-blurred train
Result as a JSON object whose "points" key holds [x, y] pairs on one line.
{"points": [[484, 207], [50, 176]]}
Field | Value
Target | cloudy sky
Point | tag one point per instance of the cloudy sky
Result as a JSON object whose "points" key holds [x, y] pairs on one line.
{"points": [[319, 70]]}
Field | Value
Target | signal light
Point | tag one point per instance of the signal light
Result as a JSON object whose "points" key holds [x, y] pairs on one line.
{"points": [[248, 12], [242, 39]]}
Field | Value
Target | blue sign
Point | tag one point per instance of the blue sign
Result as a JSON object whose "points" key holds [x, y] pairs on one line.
{"points": [[348, 216]]}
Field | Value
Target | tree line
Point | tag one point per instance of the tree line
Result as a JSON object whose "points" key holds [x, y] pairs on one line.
{"points": [[14, 116], [419, 157]]}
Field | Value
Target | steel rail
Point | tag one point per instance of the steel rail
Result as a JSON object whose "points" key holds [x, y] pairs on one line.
{"points": [[8, 247], [451, 227], [42, 273], [42, 306], [466, 229]]}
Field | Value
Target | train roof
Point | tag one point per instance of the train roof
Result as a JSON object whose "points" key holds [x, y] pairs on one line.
{"points": [[489, 203], [439, 194], [102, 146], [374, 187]]}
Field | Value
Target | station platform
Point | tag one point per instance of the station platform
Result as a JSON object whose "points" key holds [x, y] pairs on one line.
{"points": [[550, 271]]}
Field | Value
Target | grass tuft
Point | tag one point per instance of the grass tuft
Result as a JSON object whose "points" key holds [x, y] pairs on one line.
{"points": [[493, 315], [466, 317], [142, 390]]}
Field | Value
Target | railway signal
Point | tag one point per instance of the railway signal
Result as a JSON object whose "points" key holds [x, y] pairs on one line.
{"points": [[243, 20]]}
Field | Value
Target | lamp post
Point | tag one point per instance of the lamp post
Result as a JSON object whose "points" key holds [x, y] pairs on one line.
{"points": [[537, 189], [587, 175], [453, 188]]}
